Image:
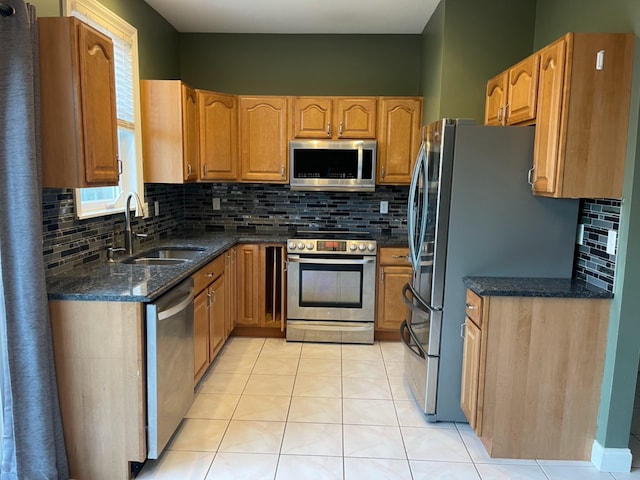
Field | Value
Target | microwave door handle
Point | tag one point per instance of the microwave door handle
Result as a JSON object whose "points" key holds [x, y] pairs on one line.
{"points": [[360, 161]]}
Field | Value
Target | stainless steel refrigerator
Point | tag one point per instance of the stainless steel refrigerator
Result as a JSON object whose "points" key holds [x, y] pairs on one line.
{"points": [[471, 212]]}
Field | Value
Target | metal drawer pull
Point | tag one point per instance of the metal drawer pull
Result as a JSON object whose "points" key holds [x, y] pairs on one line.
{"points": [[470, 307]]}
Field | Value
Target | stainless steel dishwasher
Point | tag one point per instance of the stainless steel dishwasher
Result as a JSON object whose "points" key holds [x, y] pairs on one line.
{"points": [[169, 364]]}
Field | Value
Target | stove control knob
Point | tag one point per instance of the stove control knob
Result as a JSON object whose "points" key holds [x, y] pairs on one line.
{"points": [[371, 247], [300, 246], [362, 247], [292, 245], [309, 246], [353, 247]]}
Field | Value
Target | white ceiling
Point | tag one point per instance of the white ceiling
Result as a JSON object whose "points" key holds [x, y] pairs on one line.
{"points": [[297, 16]]}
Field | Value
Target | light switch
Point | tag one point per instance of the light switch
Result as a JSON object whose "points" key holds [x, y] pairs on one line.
{"points": [[612, 239], [216, 204]]}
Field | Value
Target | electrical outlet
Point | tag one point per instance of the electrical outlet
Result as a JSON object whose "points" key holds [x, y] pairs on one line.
{"points": [[145, 210], [384, 206], [156, 208], [216, 204]]}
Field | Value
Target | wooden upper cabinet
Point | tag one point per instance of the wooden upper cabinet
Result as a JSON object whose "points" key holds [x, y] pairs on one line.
{"points": [[169, 131], [399, 120], [218, 126], [264, 139], [496, 99], [522, 91], [312, 117], [78, 105], [356, 117], [511, 96], [334, 117], [583, 116]]}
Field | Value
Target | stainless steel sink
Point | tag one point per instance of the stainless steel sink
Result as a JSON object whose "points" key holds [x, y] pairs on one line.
{"points": [[156, 261], [177, 253], [165, 256]]}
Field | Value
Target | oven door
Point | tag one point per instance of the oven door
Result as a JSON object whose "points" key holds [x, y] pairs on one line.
{"points": [[331, 287]]}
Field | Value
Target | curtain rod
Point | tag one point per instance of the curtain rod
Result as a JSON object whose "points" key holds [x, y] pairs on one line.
{"points": [[6, 10]]}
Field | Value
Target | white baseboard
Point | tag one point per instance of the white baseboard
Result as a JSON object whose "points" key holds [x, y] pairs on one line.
{"points": [[610, 459]]}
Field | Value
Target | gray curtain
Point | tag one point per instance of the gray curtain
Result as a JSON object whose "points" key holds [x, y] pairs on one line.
{"points": [[32, 439]]}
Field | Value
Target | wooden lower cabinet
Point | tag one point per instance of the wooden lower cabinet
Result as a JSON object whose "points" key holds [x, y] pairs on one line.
{"points": [[99, 360], [531, 375], [394, 271], [210, 311], [261, 288]]}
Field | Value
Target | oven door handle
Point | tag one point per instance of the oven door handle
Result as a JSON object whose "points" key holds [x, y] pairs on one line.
{"points": [[326, 261]]}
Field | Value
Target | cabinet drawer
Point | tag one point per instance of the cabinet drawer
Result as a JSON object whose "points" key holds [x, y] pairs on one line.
{"points": [[207, 274], [473, 307], [393, 256]]}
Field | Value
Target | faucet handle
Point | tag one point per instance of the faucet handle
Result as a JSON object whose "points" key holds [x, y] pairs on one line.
{"points": [[111, 251]]}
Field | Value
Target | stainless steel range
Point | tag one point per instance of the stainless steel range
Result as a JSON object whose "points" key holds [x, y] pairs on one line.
{"points": [[331, 287]]}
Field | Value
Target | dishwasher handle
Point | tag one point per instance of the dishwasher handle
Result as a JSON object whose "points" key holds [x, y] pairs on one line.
{"points": [[178, 307]]}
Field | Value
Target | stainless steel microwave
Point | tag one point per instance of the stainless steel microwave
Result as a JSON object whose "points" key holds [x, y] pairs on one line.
{"points": [[333, 165]]}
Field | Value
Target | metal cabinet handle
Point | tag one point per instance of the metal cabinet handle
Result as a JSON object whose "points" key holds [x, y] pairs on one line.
{"points": [[470, 307], [328, 129], [398, 256], [462, 329], [189, 169], [382, 172], [282, 171], [210, 274], [204, 170], [382, 275], [120, 165], [530, 175], [340, 129], [500, 114], [506, 113]]}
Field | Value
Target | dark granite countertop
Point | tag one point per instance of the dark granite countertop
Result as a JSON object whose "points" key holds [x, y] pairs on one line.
{"points": [[534, 287], [120, 282]]}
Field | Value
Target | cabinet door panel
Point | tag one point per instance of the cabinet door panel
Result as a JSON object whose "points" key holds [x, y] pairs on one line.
{"points": [[471, 374], [248, 285], [264, 140], [312, 117], [217, 316], [356, 118], [218, 136], [201, 334], [398, 139], [522, 92], [546, 150], [496, 98], [391, 309], [98, 100], [190, 127]]}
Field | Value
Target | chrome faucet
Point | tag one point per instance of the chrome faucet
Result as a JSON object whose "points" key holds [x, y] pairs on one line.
{"points": [[128, 234]]}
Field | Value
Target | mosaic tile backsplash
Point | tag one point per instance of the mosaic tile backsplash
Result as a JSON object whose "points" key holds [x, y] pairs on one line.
{"points": [[592, 262], [263, 208]]}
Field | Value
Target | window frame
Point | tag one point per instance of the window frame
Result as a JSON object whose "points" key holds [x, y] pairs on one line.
{"points": [[132, 178]]}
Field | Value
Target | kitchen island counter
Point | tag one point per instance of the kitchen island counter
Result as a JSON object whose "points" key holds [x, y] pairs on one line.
{"points": [[534, 287]]}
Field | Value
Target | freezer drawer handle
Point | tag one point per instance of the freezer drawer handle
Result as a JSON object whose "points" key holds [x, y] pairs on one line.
{"points": [[422, 306], [417, 351]]}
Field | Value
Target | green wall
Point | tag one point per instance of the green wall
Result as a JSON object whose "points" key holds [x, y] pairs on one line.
{"points": [[553, 19], [466, 43], [302, 64], [158, 41]]}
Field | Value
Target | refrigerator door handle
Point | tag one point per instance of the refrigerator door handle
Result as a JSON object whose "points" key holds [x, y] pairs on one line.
{"points": [[415, 243], [415, 348], [422, 308]]}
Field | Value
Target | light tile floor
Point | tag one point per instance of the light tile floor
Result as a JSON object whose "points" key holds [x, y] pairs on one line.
{"points": [[273, 410]]}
